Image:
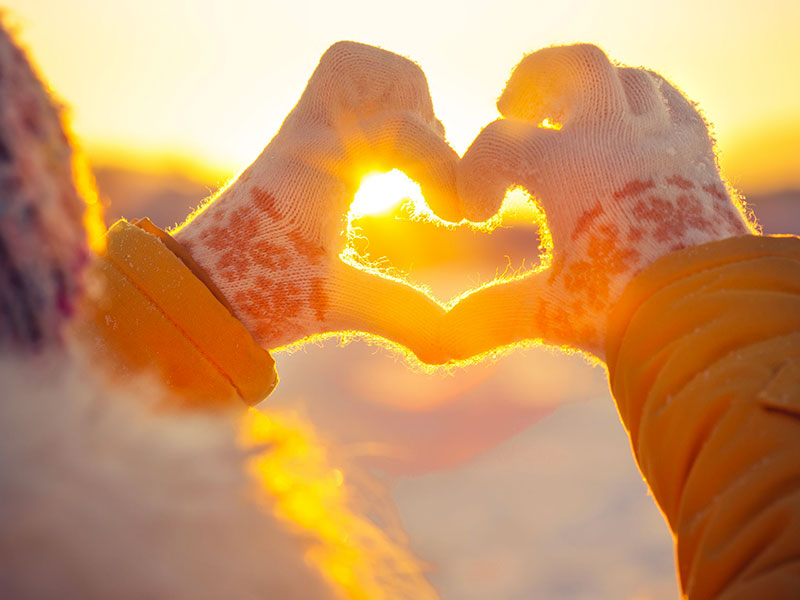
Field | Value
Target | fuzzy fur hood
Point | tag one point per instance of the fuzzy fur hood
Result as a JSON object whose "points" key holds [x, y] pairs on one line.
{"points": [[104, 498]]}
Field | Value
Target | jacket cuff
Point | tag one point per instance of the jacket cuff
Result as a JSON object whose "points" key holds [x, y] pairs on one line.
{"points": [[672, 269], [155, 312]]}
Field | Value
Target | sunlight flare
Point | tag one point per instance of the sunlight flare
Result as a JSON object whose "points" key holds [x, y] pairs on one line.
{"points": [[381, 192], [293, 471], [550, 124]]}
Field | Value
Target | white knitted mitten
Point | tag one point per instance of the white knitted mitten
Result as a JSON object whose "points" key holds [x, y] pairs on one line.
{"points": [[630, 176], [271, 241]]}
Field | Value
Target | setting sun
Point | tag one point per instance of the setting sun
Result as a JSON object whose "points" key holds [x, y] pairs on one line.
{"points": [[381, 192]]}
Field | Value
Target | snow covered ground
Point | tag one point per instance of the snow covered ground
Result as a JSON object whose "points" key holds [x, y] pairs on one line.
{"points": [[499, 505], [557, 511]]}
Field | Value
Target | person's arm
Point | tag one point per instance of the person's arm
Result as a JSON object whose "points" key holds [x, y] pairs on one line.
{"points": [[627, 175], [656, 272], [259, 266], [703, 356]]}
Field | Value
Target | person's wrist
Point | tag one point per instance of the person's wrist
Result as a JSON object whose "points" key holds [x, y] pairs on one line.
{"points": [[215, 228], [621, 226], [185, 256]]}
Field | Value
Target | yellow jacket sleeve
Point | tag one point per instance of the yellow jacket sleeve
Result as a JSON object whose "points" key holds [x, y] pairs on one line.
{"points": [[704, 363], [147, 310]]}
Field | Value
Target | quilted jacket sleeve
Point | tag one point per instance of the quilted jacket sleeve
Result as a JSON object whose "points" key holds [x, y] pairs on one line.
{"points": [[704, 363]]}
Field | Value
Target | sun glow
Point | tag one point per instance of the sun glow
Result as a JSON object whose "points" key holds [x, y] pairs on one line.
{"points": [[550, 124], [518, 207], [381, 192], [93, 210], [294, 471]]}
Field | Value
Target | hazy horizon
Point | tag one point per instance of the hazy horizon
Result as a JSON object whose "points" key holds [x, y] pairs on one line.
{"points": [[207, 87]]}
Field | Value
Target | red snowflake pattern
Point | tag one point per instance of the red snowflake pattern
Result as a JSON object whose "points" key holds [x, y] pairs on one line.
{"points": [[671, 222], [585, 221], [634, 188], [280, 268], [725, 213], [680, 182], [616, 238], [271, 307], [264, 202], [555, 322], [590, 278]]}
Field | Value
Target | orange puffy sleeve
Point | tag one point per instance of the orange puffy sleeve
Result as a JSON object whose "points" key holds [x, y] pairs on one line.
{"points": [[704, 363], [149, 307]]}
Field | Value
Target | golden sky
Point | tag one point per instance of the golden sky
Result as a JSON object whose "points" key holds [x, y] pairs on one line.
{"points": [[210, 82]]}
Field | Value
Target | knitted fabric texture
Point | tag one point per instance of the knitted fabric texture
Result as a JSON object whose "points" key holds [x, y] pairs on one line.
{"points": [[628, 175], [42, 240], [271, 241]]}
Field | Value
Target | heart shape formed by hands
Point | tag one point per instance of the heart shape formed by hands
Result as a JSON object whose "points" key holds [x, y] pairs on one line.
{"points": [[442, 261], [390, 229], [628, 176]]}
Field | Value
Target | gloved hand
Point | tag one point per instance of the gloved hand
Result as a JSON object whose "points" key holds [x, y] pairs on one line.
{"points": [[630, 176], [271, 241]]}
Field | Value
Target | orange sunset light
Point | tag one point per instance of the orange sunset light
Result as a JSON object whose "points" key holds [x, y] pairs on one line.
{"points": [[203, 88], [170, 100], [380, 192]]}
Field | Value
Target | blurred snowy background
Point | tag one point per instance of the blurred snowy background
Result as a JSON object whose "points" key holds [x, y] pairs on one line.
{"points": [[513, 479]]}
